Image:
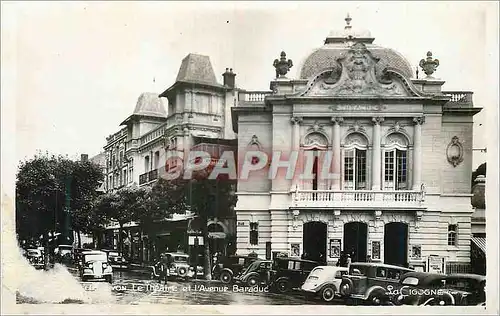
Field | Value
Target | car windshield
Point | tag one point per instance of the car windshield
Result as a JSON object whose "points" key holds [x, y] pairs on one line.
{"points": [[459, 284], [317, 271], [180, 259], [114, 254], [95, 257], [357, 270], [33, 252]]}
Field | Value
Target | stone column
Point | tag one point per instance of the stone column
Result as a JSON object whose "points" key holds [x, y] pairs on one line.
{"points": [[186, 143], [377, 154], [336, 151], [417, 152], [296, 120]]}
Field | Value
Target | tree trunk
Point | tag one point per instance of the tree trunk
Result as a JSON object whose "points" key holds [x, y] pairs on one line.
{"points": [[79, 239], [208, 262], [120, 239]]}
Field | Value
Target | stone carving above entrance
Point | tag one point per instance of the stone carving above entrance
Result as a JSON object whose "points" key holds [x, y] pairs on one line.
{"points": [[355, 74], [315, 139]]}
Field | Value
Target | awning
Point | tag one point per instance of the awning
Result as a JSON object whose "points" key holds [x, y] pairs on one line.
{"points": [[480, 242]]}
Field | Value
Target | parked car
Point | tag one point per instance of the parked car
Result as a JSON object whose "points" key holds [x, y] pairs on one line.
{"points": [[94, 265], [35, 258], [178, 263], [420, 288], [229, 267], [372, 283], [64, 253], [324, 281], [116, 260], [257, 273], [290, 273]]}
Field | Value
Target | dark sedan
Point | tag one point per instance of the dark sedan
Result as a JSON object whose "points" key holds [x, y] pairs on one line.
{"points": [[421, 288]]}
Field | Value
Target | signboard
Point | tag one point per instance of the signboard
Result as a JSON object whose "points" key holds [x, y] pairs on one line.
{"points": [[335, 246], [358, 107], [436, 264], [376, 250], [416, 252], [195, 240]]}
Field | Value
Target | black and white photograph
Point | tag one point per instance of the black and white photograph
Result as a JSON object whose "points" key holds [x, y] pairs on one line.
{"points": [[249, 157]]}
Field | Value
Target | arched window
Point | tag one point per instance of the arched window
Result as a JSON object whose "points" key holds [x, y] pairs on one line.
{"points": [[316, 144], [396, 162], [354, 166]]}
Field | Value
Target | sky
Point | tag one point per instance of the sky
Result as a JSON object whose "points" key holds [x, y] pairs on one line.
{"points": [[72, 71]]}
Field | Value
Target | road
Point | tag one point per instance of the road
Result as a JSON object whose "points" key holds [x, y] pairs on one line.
{"points": [[137, 288]]}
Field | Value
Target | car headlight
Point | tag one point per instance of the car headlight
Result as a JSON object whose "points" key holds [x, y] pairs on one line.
{"points": [[104, 265], [90, 265]]}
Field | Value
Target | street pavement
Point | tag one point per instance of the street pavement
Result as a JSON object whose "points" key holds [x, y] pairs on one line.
{"points": [[135, 288]]}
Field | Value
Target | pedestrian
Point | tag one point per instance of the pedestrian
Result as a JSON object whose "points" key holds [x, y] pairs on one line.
{"points": [[348, 263]]}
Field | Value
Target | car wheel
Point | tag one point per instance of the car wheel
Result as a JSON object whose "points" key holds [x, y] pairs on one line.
{"points": [[328, 293], [346, 288], [282, 286], [252, 280], [376, 298], [226, 277]]}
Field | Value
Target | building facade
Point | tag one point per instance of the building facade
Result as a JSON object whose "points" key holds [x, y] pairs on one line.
{"points": [[401, 160], [193, 114]]}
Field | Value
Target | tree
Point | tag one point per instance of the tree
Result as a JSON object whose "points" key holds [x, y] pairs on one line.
{"points": [[205, 197], [122, 206], [51, 191]]}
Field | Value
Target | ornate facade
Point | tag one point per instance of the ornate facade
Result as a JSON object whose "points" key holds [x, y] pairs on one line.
{"points": [[401, 159]]}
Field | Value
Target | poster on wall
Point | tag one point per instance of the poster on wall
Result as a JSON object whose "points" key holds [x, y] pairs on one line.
{"points": [[436, 264], [295, 250], [335, 246], [416, 252], [376, 250]]}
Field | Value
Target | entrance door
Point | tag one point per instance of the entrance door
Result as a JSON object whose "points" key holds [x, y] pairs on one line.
{"points": [[396, 244], [314, 238], [355, 240]]}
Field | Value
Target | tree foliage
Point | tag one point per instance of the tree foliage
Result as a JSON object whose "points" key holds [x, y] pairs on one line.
{"points": [[46, 186]]}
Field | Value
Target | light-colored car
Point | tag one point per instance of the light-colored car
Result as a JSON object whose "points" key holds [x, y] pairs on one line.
{"points": [[35, 258], [94, 265], [178, 263], [324, 281]]}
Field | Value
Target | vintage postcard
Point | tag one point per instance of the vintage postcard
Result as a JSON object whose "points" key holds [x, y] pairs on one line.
{"points": [[249, 158]]}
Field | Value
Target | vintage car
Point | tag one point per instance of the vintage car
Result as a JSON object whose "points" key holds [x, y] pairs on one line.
{"points": [[94, 265], [178, 263], [35, 258], [421, 288], [370, 282], [229, 267], [324, 281], [290, 273], [64, 253], [257, 273], [116, 260]]}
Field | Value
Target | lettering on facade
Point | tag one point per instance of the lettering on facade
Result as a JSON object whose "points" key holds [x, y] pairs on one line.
{"points": [[241, 224], [358, 107]]}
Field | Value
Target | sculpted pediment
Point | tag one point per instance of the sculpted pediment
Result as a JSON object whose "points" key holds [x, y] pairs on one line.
{"points": [[355, 75]]}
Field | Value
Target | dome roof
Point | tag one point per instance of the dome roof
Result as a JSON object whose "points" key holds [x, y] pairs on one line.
{"points": [[338, 43], [149, 104]]}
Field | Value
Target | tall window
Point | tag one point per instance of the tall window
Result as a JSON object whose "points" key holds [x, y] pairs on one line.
{"points": [[130, 174], [355, 169], [125, 180], [395, 169], [157, 159], [452, 235], [254, 233], [146, 164]]}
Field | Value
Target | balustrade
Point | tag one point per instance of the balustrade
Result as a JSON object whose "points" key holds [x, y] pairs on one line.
{"points": [[357, 198], [253, 96]]}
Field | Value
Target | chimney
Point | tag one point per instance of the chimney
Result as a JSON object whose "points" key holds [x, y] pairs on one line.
{"points": [[84, 157], [229, 78]]}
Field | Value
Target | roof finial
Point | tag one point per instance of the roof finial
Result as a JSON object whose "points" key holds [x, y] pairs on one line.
{"points": [[348, 21]]}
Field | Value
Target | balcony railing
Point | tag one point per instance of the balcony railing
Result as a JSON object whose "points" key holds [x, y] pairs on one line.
{"points": [[459, 98], [357, 199], [148, 177], [253, 96]]}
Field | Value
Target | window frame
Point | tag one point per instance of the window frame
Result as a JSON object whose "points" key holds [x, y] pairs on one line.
{"points": [[254, 233], [354, 150], [452, 232]]}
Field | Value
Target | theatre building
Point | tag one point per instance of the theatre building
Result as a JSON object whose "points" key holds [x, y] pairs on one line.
{"points": [[401, 165]]}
